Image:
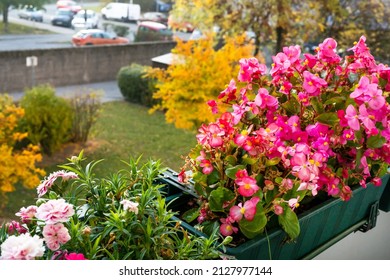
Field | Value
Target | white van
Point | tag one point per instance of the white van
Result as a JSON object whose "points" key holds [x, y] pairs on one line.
{"points": [[122, 12]]}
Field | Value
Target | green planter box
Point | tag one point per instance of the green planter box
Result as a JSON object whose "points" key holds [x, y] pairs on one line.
{"points": [[321, 226]]}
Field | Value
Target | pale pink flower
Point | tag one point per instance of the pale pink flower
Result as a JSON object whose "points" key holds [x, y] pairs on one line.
{"points": [[55, 235], [130, 206], [22, 247], [293, 203], [352, 118], [27, 214], [45, 185], [55, 211], [278, 210]]}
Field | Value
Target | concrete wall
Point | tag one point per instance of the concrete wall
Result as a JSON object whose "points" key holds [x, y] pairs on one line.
{"points": [[70, 66]]}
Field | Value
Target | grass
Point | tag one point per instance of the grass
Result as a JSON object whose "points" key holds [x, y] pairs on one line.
{"points": [[17, 29], [123, 130]]}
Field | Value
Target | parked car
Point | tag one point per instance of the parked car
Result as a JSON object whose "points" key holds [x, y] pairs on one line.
{"points": [[155, 16], [121, 11], [90, 37], [68, 4], [85, 19], [31, 13], [179, 24], [153, 31], [63, 17]]}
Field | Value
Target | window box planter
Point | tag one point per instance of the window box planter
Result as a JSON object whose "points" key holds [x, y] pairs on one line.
{"points": [[321, 226]]}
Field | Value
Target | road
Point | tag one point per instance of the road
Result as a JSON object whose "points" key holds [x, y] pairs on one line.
{"points": [[61, 36]]}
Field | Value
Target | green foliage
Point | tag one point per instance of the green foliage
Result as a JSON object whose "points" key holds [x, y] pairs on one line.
{"points": [[135, 86], [48, 118], [86, 108]]}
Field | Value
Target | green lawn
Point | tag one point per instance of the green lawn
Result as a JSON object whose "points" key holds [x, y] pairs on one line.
{"points": [[123, 130], [17, 29]]}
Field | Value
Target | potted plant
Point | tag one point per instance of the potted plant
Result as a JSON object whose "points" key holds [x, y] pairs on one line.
{"points": [[310, 135], [80, 216]]}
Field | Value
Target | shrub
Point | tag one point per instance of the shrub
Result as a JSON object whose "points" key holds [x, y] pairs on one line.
{"points": [[15, 165], [48, 118], [195, 77], [86, 107], [135, 86]]}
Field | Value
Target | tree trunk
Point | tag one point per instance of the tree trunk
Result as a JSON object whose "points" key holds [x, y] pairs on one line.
{"points": [[5, 17], [279, 39]]}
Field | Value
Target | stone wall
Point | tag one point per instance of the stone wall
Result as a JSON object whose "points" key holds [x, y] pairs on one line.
{"points": [[71, 66]]}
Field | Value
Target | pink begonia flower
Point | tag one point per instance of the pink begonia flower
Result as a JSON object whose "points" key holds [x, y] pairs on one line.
{"points": [[327, 51], [207, 166], [278, 210], [293, 53], [211, 134], [363, 164], [352, 118], [266, 101], [213, 106], [27, 214], [246, 185], [226, 228], [310, 60], [313, 187], [332, 186], [22, 247], [55, 211], [281, 64], [15, 226], [45, 185], [360, 47], [55, 235], [377, 182], [313, 84], [130, 206], [250, 69], [75, 257], [293, 203], [248, 210], [230, 91], [367, 119]]}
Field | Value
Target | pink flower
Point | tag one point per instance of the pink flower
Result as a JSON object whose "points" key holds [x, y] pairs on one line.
{"points": [[55, 235], [250, 69], [130, 206], [211, 134], [327, 51], [75, 257], [27, 214], [352, 118], [265, 100], [230, 91], [281, 64], [293, 53], [367, 119], [45, 185], [213, 105], [278, 210], [55, 211], [22, 247], [246, 186], [15, 226], [226, 228], [248, 210], [313, 84], [293, 203]]}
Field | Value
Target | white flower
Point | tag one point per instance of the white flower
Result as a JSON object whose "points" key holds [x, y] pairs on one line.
{"points": [[22, 247], [130, 206]]}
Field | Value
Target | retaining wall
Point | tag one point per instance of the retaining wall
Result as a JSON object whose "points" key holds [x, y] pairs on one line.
{"points": [[71, 66]]}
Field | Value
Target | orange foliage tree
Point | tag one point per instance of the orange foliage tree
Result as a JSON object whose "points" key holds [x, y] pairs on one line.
{"points": [[197, 74], [16, 165]]}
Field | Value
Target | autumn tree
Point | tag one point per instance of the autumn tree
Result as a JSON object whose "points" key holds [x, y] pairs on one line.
{"points": [[198, 74], [16, 165]]}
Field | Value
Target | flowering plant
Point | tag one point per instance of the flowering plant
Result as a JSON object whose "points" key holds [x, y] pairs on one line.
{"points": [[313, 126], [78, 216]]}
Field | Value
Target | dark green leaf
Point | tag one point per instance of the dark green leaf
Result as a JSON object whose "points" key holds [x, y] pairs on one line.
{"points": [[318, 107], [289, 222], [376, 141], [255, 227], [292, 106], [218, 197], [190, 215], [328, 118]]}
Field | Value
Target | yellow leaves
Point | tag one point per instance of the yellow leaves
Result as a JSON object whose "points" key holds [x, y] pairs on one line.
{"points": [[16, 165], [199, 75]]}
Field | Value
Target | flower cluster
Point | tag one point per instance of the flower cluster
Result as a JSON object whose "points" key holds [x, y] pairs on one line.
{"points": [[311, 124]]}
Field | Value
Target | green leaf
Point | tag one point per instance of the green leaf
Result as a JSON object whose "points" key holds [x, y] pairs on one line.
{"points": [[328, 118], [218, 197], [230, 159], [289, 222], [376, 141], [213, 178], [255, 227], [273, 161], [318, 107], [190, 215], [292, 106], [336, 101], [231, 171]]}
